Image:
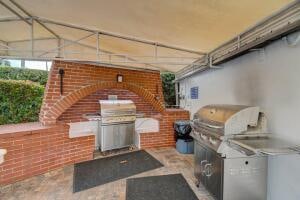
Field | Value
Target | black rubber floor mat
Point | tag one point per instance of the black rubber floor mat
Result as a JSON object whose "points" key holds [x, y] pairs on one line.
{"points": [[167, 187], [97, 172]]}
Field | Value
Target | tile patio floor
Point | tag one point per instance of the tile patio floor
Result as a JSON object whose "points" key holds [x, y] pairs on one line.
{"points": [[57, 185]]}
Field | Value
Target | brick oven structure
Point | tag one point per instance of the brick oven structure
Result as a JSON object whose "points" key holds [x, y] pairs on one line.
{"points": [[89, 83], [36, 148], [85, 84]]}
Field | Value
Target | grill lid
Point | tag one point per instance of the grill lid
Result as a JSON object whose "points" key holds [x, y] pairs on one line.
{"points": [[218, 113], [227, 119], [117, 108]]}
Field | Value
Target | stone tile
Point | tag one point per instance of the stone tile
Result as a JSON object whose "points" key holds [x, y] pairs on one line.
{"points": [[58, 184]]}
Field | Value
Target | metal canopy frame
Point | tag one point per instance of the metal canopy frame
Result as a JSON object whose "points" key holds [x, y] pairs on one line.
{"points": [[156, 60], [277, 25], [133, 39]]}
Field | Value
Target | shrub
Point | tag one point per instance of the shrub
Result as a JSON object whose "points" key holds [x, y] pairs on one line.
{"points": [[13, 73], [20, 101], [168, 88]]}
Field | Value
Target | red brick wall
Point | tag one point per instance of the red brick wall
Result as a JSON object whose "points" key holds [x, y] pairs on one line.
{"points": [[39, 149], [81, 80], [165, 137], [85, 84], [90, 104], [36, 151]]}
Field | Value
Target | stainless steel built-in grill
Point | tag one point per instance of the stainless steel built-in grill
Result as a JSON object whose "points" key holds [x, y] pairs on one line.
{"points": [[231, 149], [117, 123]]}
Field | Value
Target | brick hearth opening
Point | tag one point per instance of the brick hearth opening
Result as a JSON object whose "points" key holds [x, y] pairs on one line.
{"points": [[81, 80]]}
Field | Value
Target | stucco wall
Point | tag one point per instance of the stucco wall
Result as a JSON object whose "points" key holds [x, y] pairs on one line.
{"points": [[271, 80]]}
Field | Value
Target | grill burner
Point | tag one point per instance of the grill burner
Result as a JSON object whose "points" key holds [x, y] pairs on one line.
{"points": [[231, 149]]}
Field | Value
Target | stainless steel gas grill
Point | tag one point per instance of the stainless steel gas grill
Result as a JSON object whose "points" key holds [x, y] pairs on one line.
{"points": [[231, 149], [117, 123]]}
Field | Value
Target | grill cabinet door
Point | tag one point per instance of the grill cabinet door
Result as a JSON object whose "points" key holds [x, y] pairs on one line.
{"points": [[109, 137], [213, 173], [200, 161], [126, 134]]}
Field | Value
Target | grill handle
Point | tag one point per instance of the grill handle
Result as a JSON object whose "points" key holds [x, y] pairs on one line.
{"points": [[208, 169], [204, 137], [203, 162], [210, 126], [241, 149]]}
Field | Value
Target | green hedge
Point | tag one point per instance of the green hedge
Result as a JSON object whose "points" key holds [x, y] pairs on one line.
{"points": [[168, 88], [13, 73], [20, 101]]}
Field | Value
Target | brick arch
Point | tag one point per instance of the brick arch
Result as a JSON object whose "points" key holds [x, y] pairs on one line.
{"points": [[67, 101]]}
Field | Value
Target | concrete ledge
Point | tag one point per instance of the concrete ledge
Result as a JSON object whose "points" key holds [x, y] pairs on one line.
{"points": [[146, 125], [15, 130], [2, 153], [81, 129], [143, 126]]}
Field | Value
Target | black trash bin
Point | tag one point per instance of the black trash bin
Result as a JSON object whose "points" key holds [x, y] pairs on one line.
{"points": [[184, 142]]}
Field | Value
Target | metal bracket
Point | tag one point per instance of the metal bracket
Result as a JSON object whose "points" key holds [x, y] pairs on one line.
{"points": [[261, 51], [282, 22], [211, 64], [292, 43]]}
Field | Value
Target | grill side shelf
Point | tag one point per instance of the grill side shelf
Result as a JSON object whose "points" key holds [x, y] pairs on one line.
{"points": [[269, 146], [241, 148]]}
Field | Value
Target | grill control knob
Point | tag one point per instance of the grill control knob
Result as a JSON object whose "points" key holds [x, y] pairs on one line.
{"points": [[212, 141], [204, 137]]}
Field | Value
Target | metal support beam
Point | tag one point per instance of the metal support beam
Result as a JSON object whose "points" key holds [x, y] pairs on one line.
{"points": [[22, 63], [58, 45], [173, 60], [133, 39], [63, 49], [14, 12], [32, 37], [155, 53], [65, 45], [238, 41], [211, 64], [13, 19], [4, 44], [176, 93], [92, 47], [29, 15], [97, 46], [110, 54], [122, 66], [36, 39]]}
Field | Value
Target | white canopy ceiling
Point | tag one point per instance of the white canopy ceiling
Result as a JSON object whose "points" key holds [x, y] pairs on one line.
{"points": [[194, 26]]}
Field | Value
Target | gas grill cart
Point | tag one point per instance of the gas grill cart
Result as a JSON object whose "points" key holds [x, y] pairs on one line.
{"points": [[117, 124], [184, 142], [232, 146]]}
